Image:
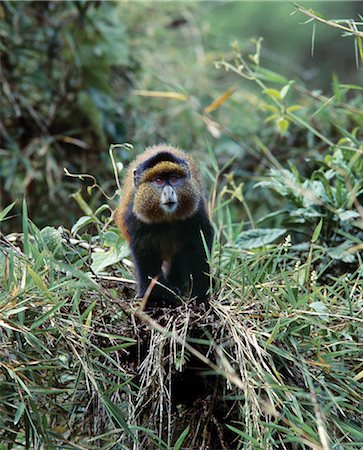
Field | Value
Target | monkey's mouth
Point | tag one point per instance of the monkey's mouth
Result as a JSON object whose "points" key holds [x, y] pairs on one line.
{"points": [[169, 207]]}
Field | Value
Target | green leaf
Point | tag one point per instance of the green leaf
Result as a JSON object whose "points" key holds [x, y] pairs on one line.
{"points": [[271, 118], [346, 216], [348, 135], [269, 75], [181, 439], [116, 413], [284, 91], [19, 412], [49, 313], [293, 108], [271, 108], [282, 125], [101, 209], [273, 93], [327, 188], [317, 231], [88, 311], [320, 308], [110, 238], [341, 252], [38, 281], [352, 86], [5, 211], [81, 222], [101, 260], [53, 240], [245, 436], [258, 238]]}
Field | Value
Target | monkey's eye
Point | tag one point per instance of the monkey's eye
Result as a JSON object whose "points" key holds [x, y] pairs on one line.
{"points": [[174, 179], [159, 181]]}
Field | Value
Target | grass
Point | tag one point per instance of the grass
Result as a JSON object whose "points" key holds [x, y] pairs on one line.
{"points": [[275, 361]]}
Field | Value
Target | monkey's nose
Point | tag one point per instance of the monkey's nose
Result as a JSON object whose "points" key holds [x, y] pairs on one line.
{"points": [[168, 195], [169, 200]]}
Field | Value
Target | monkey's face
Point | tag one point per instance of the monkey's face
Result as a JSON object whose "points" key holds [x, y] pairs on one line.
{"points": [[166, 193]]}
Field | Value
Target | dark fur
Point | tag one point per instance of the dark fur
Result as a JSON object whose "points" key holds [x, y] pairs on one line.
{"points": [[188, 265], [179, 242]]}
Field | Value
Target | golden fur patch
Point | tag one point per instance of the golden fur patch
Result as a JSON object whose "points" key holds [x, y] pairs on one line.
{"points": [[163, 167]]}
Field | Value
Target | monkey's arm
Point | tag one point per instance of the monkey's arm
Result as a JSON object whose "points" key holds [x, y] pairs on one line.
{"points": [[147, 266], [190, 266]]}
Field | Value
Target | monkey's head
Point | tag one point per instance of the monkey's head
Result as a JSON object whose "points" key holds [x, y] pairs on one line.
{"points": [[165, 189]]}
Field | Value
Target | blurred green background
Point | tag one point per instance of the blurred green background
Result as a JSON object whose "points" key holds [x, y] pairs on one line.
{"points": [[78, 76]]}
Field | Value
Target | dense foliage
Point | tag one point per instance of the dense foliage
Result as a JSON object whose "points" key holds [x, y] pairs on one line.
{"points": [[77, 76], [62, 64], [276, 360]]}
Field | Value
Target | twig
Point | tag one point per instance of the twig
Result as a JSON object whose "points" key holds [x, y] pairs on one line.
{"points": [[331, 23]]}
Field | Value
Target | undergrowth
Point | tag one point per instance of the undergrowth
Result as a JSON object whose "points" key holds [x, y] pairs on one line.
{"points": [[275, 361]]}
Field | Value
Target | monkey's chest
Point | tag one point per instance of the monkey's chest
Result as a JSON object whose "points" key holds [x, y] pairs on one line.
{"points": [[169, 248]]}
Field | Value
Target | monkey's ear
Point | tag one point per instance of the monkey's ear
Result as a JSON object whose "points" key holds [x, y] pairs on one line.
{"points": [[136, 176]]}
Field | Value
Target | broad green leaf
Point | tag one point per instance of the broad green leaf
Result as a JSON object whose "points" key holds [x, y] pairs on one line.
{"points": [[258, 238], [53, 240], [81, 222], [110, 238], [271, 118], [320, 308], [341, 252], [14, 311], [101, 209], [270, 108], [101, 260], [348, 215]]}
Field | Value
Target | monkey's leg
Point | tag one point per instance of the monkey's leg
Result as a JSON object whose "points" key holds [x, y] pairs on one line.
{"points": [[148, 266], [178, 276]]}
